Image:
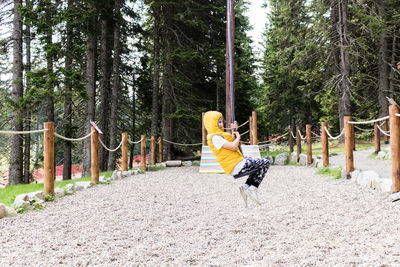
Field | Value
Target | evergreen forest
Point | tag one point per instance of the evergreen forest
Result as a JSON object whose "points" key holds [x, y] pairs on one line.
{"points": [[151, 67]]}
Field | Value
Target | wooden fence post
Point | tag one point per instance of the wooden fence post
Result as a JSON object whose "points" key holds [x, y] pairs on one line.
{"points": [[203, 130], [377, 138], [298, 142], [309, 145], [386, 129], [291, 141], [353, 135], [325, 146], [94, 142], [124, 152], [394, 147], [143, 152], [160, 149], [251, 130], [153, 150], [48, 182], [348, 142], [255, 130]]}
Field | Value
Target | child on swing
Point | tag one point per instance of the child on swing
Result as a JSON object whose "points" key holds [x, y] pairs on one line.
{"points": [[225, 147]]}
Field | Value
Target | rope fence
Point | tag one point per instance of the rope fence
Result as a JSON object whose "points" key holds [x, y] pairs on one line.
{"points": [[109, 149], [23, 132], [73, 139], [336, 137]]}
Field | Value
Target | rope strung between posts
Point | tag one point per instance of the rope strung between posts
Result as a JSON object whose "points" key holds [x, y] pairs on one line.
{"points": [[371, 121], [180, 144], [136, 142], [273, 139], [384, 132], [315, 134], [243, 124], [301, 137], [364, 130], [294, 137], [326, 130], [245, 132], [73, 139], [109, 149], [23, 132]]}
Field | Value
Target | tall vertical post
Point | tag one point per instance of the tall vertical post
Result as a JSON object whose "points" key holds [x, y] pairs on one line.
{"points": [[255, 130], [230, 63], [298, 143], [291, 140], [160, 149], [203, 130], [309, 145], [394, 147], [153, 150], [124, 151], [94, 146], [48, 183], [348, 142], [251, 130], [386, 129], [325, 146], [377, 138], [143, 152], [353, 136]]}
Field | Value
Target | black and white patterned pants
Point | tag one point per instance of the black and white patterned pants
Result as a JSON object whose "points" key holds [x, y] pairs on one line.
{"points": [[260, 166]]}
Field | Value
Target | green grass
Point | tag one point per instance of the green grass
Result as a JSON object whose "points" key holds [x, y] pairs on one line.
{"points": [[335, 173], [8, 194]]}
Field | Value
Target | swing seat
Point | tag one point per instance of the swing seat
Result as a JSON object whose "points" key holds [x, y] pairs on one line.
{"points": [[245, 173]]}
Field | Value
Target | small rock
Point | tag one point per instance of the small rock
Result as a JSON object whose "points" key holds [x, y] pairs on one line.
{"points": [[293, 157], [21, 201], [187, 163], [281, 159], [173, 163], [114, 175], [37, 195], [102, 179], [10, 212], [303, 160], [70, 188], [59, 192], [125, 174], [82, 186], [2, 211]]}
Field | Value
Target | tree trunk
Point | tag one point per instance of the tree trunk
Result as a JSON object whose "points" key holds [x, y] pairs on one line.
{"points": [[115, 86], [156, 73], [105, 90], [393, 63], [49, 60], [16, 154], [27, 126], [167, 86], [90, 89], [383, 83], [68, 101], [132, 146], [342, 60]]}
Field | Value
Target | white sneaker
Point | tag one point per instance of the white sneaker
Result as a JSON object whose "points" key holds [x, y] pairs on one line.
{"points": [[252, 193], [243, 189]]}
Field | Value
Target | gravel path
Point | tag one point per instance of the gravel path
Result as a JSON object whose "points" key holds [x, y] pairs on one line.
{"points": [[364, 163], [178, 217]]}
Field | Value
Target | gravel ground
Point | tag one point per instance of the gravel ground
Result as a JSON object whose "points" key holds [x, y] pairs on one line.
{"points": [[362, 162], [178, 217]]}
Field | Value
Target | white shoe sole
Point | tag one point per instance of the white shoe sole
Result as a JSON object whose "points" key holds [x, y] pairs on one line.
{"points": [[254, 199]]}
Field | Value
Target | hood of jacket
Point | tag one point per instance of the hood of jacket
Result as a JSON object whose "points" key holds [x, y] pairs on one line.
{"points": [[211, 122]]}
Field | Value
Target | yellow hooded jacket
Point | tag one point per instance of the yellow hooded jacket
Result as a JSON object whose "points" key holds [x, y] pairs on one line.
{"points": [[226, 158]]}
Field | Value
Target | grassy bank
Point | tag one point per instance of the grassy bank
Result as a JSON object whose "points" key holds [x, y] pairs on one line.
{"points": [[8, 194]]}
